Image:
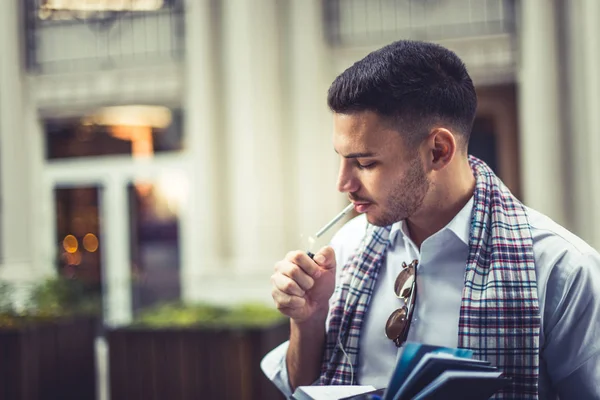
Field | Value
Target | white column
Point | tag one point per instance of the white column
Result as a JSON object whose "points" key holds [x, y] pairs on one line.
{"points": [[312, 71], [256, 165], [15, 239], [583, 57], [115, 252], [542, 164], [43, 206], [199, 222]]}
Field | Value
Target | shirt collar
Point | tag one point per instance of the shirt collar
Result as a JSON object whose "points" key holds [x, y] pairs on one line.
{"points": [[460, 225]]}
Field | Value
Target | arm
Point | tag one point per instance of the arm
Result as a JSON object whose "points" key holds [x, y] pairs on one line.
{"points": [[583, 382], [572, 331], [305, 351], [301, 290], [275, 363]]}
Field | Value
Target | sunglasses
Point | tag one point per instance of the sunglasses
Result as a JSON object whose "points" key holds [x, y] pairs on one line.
{"points": [[405, 287]]}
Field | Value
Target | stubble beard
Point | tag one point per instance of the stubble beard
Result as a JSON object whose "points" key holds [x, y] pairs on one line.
{"points": [[406, 197]]}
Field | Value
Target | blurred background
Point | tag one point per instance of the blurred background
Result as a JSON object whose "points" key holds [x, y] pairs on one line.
{"points": [[172, 150]]}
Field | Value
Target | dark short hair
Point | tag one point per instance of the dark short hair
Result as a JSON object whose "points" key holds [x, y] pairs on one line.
{"points": [[416, 84]]}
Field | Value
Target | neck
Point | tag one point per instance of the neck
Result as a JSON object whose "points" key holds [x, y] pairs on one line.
{"points": [[449, 198]]}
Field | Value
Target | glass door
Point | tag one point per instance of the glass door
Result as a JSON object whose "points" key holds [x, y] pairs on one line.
{"points": [[117, 180]]}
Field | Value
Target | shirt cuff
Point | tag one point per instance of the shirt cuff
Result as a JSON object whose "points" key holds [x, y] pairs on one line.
{"points": [[275, 368]]}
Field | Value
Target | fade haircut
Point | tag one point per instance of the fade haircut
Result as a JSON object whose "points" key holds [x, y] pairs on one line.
{"points": [[415, 85]]}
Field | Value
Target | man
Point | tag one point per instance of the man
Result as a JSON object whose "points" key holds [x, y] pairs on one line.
{"points": [[492, 275]]}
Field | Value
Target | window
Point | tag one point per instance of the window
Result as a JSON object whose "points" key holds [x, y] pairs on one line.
{"points": [[78, 234], [482, 142], [139, 131], [154, 237], [495, 134]]}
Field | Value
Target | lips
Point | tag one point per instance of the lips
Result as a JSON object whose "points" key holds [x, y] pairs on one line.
{"points": [[361, 207]]}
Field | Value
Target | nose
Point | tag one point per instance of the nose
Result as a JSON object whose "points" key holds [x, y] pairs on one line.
{"points": [[347, 182]]}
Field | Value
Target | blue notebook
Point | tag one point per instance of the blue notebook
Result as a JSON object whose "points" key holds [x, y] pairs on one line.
{"points": [[430, 372], [425, 371]]}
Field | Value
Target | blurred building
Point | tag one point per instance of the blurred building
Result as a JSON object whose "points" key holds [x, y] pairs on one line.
{"points": [[166, 149]]}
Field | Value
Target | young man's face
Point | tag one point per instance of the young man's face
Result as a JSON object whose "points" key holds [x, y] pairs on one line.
{"points": [[383, 178]]}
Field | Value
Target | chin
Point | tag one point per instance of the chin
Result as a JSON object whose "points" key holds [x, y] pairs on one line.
{"points": [[374, 220], [382, 220]]}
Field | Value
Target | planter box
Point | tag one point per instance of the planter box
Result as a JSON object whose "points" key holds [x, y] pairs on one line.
{"points": [[192, 363], [49, 360]]}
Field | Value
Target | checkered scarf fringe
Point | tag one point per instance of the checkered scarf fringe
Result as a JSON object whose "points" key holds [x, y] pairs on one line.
{"points": [[499, 314]]}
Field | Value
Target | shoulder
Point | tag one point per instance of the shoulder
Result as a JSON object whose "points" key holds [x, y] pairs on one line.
{"points": [[558, 252], [568, 268], [554, 237]]}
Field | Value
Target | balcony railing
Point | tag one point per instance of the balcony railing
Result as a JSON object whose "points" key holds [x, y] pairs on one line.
{"points": [[70, 39], [374, 22]]}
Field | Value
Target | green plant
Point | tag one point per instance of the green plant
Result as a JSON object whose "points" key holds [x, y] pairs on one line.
{"points": [[181, 315], [6, 293], [63, 296], [49, 299]]}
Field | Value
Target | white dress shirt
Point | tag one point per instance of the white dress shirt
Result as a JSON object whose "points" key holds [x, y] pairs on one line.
{"points": [[568, 276]]}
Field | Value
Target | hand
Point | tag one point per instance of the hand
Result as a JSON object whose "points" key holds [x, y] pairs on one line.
{"points": [[301, 286]]}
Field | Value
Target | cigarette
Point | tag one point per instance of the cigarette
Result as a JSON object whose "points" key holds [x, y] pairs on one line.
{"points": [[335, 219]]}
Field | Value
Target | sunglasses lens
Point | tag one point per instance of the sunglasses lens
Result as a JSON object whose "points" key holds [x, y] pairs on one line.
{"points": [[404, 282], [396, 324]]}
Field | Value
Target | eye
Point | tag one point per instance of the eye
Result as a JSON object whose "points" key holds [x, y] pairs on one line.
{"points": [[365, 165]]}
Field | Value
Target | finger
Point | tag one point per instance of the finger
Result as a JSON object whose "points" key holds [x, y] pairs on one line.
{"points": [[325, 258], [302, 260], [287, 285], [297, 274], [284, 300]]}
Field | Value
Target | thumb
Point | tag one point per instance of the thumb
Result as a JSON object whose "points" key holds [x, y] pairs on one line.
{"points": [[325, 258]]}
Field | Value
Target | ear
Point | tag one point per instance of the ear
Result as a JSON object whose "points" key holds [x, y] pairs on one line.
{"points": [[441, 146]]}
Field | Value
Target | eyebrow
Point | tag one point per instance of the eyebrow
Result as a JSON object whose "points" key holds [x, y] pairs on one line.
{"points": [[359, 155]]}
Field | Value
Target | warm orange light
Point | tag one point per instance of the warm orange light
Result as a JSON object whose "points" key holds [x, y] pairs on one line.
{"points": [[70, 244], [90, 242], [134, 123], [142, 144], [133, 115], [73, 258], [144, 189], [103, 5]]}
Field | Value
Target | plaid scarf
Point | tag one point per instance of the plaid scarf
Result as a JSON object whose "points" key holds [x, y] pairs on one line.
{"points": [[499, 314]]}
